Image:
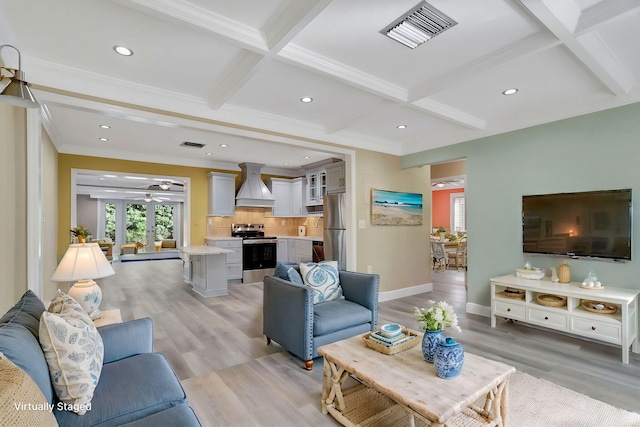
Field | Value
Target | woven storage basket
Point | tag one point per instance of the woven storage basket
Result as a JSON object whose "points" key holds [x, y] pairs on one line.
{"points": [[550, 300], [371, 343], [564, 273]]}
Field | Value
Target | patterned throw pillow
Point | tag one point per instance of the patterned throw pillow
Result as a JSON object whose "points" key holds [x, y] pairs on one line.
{"points": [[323, 278], [288, 272], [74, 351], [21, 400]]}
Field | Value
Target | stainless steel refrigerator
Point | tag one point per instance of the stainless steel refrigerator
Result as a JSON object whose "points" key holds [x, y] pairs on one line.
{"points": [[335, 229]]}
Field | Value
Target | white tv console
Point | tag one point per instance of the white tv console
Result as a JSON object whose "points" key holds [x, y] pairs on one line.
{"points": [[620, 327]]}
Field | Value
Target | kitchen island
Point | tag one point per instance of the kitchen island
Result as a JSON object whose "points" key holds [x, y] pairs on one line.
{"points": [[207, 269]]}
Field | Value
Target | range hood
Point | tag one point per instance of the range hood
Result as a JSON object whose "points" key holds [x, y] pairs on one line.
{"points": [[253, 192]]}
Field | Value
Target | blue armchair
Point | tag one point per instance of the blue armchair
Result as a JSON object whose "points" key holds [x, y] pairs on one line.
{"points": [[292, 320]]}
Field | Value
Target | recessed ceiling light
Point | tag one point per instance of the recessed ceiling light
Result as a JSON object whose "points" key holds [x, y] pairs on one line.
{"points": [[101, 178], [307, 157], [510, 91], [285, 163], [124, 51], [223, 145], [306, 99], [103, 139], [209, 154], [401, 126], [105, 126]]}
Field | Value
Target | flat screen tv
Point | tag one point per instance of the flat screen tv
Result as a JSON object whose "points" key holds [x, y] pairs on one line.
{"points": [[587, 224]]}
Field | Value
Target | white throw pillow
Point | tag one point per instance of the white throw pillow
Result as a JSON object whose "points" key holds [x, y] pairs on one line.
{"points": [[74, 352], [323, 278]]}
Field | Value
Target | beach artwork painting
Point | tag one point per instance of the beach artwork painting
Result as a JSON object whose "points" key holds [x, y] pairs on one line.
{"points": [[395, 208]]}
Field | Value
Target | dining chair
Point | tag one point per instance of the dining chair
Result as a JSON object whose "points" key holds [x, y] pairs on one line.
{"points": [[438, 255]]}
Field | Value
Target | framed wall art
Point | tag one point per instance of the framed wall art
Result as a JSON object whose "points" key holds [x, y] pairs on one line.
{"points": [[395, 208]]}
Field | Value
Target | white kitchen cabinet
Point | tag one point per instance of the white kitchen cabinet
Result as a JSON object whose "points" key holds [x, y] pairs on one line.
{"points": [[316, 187], [234, 259], [336, 182], [222, 194], [281, 190], [297, 188], [619, 328], [288, 194], [282, 250], [294, 250], [302, 251]]}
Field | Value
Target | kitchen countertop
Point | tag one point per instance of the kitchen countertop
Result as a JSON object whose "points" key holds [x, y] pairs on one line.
{"points": [[222, 238], [313, 238], [204, 250]]}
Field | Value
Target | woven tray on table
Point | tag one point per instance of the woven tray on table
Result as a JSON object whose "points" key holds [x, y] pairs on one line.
{"points": [[373, 344]]}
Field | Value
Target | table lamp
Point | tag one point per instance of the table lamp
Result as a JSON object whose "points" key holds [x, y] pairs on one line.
{"points": [[84, 262]]}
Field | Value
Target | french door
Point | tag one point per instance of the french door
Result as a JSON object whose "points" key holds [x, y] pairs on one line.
{"points": [[127, 222]]}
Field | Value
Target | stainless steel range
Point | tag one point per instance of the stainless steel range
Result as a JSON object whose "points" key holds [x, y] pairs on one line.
{"points": [[258, 251]]}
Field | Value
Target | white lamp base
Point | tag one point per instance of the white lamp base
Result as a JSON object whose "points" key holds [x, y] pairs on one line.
{"points": [[88, 294]]}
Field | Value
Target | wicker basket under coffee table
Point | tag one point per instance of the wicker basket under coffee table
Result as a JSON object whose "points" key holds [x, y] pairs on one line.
{"points": [[403, 390]]}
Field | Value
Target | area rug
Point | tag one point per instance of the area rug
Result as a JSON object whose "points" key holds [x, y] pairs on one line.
{"points": [[537, 402]]}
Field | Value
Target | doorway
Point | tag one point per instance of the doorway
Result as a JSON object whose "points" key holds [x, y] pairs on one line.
{"points": [[130, 208], [147, 224]]}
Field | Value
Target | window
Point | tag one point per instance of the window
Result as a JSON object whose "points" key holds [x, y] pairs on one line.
{"points": [[458, 212]]}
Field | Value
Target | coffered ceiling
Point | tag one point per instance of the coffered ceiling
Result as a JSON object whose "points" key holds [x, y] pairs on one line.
{"points": [[233, 72]]}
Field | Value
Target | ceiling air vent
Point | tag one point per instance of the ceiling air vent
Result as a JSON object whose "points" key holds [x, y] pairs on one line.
{"points": [[418, 25], [191, 144]]}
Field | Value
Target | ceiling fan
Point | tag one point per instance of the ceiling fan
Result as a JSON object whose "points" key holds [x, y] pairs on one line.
{"points": [[447, 183], [148, 197], [165, 186]]}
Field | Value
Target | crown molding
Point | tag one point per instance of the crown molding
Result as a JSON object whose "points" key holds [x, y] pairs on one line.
{"points": [[203, 18]]}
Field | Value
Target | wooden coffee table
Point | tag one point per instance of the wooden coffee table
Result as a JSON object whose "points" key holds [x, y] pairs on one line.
{"points": [[403, 389]]}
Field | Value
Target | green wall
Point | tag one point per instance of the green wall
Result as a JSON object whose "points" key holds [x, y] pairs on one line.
{"points": [[597, 151]]}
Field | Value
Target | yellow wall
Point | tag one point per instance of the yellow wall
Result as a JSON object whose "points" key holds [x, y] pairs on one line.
{"points": [[199, 185], [400, 254], [13, 226]]}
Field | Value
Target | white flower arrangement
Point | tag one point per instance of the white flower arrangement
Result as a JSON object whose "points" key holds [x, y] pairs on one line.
{"points": [[438, 316]]}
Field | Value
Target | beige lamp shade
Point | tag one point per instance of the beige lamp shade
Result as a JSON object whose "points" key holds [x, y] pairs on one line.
{"points": [[84, 262]]}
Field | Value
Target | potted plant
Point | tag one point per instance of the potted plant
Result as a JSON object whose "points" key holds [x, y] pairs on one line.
{"points": [[441, 231], [433, 320], [81, 233]]}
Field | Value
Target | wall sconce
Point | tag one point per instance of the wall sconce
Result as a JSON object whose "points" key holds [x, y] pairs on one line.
{"points": [[17, 92]]}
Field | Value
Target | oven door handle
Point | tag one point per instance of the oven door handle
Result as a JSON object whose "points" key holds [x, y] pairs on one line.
{"points": [[258, 241]]}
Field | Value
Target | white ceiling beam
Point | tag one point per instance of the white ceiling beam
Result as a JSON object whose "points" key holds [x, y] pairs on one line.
{"points": [[236, 77], [530, 45], [602, 12], [590, 51], [449, 113], [300, 56], [372, 84], [287, 23], [372, 110]]}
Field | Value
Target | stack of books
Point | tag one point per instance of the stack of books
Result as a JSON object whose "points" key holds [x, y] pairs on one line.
{"points": [[390, 341]]}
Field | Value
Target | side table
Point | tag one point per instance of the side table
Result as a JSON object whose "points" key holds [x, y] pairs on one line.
{"points": [[108, 317]]}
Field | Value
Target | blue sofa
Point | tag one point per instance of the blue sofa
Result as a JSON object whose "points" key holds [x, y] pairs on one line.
{"points": [[292, 320], [136, 387]]}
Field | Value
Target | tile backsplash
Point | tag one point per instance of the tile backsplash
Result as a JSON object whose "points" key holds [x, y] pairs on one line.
{"points": [[221, 226]]}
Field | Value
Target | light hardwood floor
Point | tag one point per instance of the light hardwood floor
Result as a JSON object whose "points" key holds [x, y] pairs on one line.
{"points": [[232, 378]]}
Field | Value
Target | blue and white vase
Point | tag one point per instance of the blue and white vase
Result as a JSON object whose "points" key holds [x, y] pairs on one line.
{"points": [[430, 342], [449, 358]]}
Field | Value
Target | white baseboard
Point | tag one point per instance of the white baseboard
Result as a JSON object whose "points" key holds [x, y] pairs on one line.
{"points": [[405, 292], [480, 310]]}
